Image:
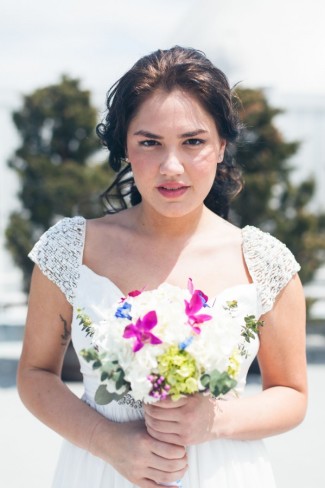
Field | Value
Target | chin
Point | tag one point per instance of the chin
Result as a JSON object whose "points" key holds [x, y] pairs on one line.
{"points": [[177, 211]]}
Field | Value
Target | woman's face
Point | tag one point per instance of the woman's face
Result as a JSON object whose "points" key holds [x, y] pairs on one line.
{"points": [[174, 148]]}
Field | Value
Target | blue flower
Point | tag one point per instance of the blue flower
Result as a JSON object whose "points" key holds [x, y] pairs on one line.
{"points": [[122, 312], [183, 345]]}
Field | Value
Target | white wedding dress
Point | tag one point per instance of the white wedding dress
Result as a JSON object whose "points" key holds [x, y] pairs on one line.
{"points": [[217, 464]]}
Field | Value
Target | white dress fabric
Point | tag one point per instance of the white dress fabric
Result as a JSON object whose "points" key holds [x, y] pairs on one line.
{"points": [[216, 464]]}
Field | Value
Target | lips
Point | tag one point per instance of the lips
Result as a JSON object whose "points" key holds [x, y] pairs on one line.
{"points": [[172, 189]]}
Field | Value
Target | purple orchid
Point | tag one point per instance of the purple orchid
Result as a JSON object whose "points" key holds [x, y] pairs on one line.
{"points": [[202, 295], [198, 300], [141, 331]]}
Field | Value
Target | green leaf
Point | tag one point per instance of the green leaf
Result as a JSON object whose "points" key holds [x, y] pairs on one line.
{"points": [[120, 379], [104, 376], [86, 322], [97, 364], [205, 380], [103, 397], [221, 383], [251, 327], [109, 367], [89, 354]]}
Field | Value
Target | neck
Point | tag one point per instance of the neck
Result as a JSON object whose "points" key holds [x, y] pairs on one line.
{"points": [[152, 223]]}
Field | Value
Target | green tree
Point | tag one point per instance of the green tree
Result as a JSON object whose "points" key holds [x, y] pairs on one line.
{"points": [[54, 164], [56, 124], [270, 200]]}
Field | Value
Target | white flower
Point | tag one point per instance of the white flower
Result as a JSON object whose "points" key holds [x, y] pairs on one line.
{"points": [[211, 348]]}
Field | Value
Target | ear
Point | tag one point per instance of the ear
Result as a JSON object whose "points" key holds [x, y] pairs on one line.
{"points": [[223, 144]]}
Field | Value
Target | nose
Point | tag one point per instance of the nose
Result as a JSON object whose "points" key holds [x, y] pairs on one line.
{"points": [[171, 165]]}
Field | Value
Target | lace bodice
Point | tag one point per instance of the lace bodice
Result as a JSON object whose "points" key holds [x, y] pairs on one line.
{"points": [[270, 263], [59, 253]]}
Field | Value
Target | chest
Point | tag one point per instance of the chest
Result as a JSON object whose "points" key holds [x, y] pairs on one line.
{"points": [[137, 264]]}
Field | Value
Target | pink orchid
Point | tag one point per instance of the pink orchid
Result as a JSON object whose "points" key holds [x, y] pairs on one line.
{"points": [[198, 300], [141, 331], [134, 293], [191, 289]]}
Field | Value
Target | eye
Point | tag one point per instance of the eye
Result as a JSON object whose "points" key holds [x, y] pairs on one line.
{"points": [[149, 143], [194, 142]]}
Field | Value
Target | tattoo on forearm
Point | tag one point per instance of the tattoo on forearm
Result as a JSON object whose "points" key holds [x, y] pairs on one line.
{"points": [[65, 337]]}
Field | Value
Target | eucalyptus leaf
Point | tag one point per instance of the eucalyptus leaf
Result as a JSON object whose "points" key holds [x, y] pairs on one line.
{"points": [[104, 376], [221, 383], [205, 380], [97, 364], [120, 381], [108, 367], [89, 354], [103, 397]]}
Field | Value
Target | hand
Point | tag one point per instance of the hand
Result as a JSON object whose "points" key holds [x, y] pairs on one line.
{"points": [[190, 420], [146, 461]]}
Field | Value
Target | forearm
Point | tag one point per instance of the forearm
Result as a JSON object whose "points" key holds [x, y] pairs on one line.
{"points": [[52, 402], [271, 412], [126, 445]]}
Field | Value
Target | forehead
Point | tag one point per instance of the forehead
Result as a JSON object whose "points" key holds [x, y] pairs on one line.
{"points": [[175, 107]]}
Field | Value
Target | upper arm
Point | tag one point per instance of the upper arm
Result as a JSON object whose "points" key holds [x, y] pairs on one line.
{"points": [[272, 266], [282, 354], [48, 326], [58, 256]]}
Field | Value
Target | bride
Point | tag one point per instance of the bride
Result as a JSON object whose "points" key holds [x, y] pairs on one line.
{"points": [[169, 126]]}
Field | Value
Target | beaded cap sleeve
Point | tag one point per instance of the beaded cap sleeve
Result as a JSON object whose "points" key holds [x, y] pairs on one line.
{"points": [[58, 253], [270, 263]]}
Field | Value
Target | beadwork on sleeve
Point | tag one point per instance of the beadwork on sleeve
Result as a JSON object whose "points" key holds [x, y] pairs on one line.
{"points": [[58, 253], [270, 264]]}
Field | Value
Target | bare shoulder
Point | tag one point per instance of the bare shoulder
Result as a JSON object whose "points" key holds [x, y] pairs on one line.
{"points": [[106, 231], [107, 221], [223, 231]]}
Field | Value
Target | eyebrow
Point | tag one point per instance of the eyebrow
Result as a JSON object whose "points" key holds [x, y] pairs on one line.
{"points": [[150, 135]]}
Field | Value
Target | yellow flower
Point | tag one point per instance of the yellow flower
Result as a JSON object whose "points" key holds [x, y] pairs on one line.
{"points": [[179, 369], [234, 363]]}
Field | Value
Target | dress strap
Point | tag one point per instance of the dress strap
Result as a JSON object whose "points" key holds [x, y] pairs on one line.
{"points": [[58, 254], [270, 263]]}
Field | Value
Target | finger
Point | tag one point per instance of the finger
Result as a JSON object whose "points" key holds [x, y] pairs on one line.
{"points": [[161, 415], [171, 414], [160, 476], [168, 450], [146, 483], [169, 403], [167, 439], [163, 426], [168, 465]]}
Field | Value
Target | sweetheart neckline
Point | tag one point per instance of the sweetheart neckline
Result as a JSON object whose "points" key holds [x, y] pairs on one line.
{"points": [[214, 297]]}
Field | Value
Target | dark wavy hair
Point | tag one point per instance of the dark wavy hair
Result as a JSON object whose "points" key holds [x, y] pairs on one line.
{"points": [[176, 68]]}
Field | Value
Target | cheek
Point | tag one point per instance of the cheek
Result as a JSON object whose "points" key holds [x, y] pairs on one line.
{"points": [[143, 169], [140, 157], [206, 161]]}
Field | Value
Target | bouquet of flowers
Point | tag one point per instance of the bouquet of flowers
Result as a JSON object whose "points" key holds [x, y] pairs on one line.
{"points": [[167, 342]]}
